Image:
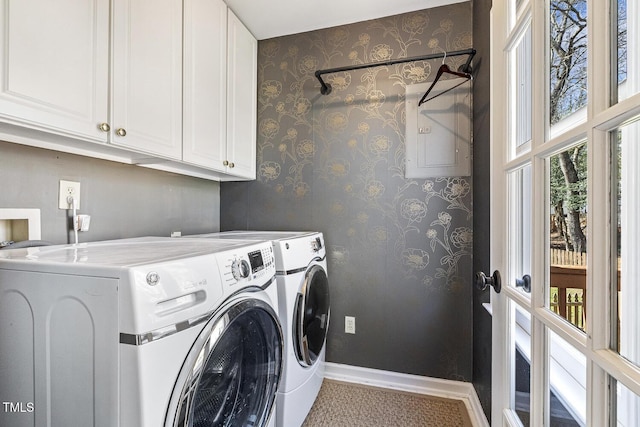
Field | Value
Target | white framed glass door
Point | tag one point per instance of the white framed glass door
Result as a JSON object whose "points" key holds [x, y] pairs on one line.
{"points": [[565, 212]]}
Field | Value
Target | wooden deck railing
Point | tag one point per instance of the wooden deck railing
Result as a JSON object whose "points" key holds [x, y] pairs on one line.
{"points": [[562, 257], [571, 300], [569, 276]]}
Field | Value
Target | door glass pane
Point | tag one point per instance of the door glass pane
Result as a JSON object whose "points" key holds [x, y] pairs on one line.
{"points": [[521, 207], [567, 384], [625, 265], [233, 370], [522, 377], [522, 75], [568, 234], [239, 365], [627, 407], [568, 58], [312, 316], [626, 66]]}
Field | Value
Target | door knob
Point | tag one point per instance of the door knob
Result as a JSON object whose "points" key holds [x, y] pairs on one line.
{"points": [[482, 281], [524, 283], [121, 132]]}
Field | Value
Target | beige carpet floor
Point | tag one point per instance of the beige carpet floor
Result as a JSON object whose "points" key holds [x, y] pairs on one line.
{"points": [[341, 404]]}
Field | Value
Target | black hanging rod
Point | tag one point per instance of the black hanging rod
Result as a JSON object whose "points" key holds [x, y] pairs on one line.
{"points": [[325, 88]]}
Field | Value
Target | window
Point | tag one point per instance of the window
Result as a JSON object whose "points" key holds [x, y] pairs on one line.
{"points": [[566, 167], [568, 63]]}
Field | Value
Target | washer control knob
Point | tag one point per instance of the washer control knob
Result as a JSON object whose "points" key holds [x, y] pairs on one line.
{"points": [[153, 278], [240, 269]]}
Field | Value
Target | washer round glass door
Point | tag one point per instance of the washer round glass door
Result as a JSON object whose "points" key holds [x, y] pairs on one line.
{"points": [[231, 375], [311, 316]]}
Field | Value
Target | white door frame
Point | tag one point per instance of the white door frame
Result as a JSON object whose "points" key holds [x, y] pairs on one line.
{"points": [[603, 366]]}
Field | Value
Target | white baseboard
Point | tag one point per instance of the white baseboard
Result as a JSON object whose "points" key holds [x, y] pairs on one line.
{"points": [[412, 383]]}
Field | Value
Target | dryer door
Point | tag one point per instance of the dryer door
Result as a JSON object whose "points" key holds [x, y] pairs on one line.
{"points": [[232, 372], [311, 316]]}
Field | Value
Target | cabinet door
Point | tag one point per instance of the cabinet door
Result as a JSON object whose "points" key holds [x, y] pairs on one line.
{"points": [[204, 133], [147, 76], [55, 65], [241, 99]]}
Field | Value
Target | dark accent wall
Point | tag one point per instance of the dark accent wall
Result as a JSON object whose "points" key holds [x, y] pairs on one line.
{"points": [[481, 205], [123, 200], [399, 250]]}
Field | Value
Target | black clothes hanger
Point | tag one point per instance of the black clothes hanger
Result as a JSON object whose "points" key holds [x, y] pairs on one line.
{"points": [[444, 68]]}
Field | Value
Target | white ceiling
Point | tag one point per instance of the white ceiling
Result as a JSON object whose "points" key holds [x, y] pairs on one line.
{"points": [[274, 18]]}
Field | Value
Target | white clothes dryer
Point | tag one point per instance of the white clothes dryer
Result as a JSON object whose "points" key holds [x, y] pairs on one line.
{"points": [[303, 296], [141, 332]]}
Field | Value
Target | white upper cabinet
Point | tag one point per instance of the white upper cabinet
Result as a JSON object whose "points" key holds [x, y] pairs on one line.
{"points": [[147, 76], [242, 95], [205, 83], [220, 90], [168, 84], [55, 66]]}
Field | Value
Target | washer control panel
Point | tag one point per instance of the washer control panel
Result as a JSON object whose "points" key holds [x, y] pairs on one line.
{"points": [[253, 263]]}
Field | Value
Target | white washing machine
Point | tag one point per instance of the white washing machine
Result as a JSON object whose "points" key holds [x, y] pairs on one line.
{"points": [[139, 333], [303, 296]]}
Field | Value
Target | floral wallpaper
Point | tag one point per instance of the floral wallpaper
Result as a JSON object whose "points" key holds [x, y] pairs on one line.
{"points": [[399, 250]]}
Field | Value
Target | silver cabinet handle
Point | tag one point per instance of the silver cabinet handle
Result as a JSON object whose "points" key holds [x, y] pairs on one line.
{"points": [[121, 132], [104, 127]]}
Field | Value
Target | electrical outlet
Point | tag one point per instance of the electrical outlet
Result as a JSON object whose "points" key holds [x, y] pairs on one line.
{"points": [[349, 325], [68, 188]]}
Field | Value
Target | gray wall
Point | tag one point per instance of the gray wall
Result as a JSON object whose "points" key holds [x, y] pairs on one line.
{"points": [[399, 250], [481, 206], [123, 200]]}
